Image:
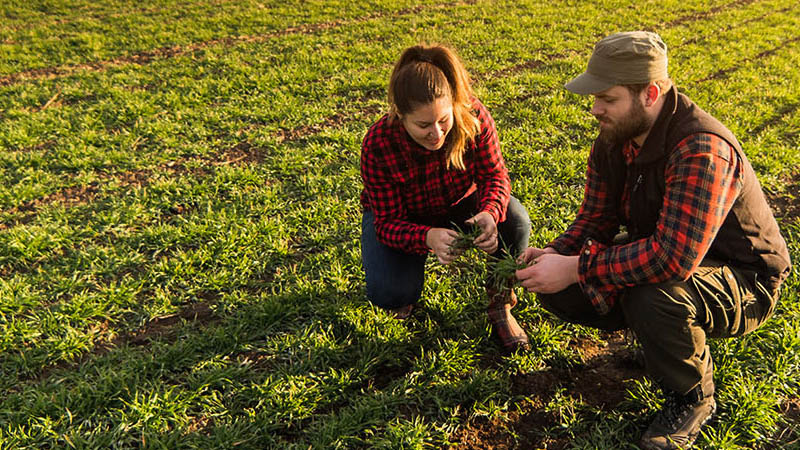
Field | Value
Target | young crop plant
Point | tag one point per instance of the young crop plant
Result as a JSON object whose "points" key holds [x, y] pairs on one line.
{"points": [[500, 269], [501, 272], [465, 239]]}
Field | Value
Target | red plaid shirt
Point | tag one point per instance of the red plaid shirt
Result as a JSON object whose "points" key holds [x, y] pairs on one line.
{"points": [[702, 180], [408, 188]]}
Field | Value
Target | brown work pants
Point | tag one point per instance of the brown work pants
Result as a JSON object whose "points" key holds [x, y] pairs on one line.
{"points": [[672, 320]]}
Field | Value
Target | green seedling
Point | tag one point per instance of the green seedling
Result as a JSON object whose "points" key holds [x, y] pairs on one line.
{"points": [[501, 269], [501, 272], [465, 239]]}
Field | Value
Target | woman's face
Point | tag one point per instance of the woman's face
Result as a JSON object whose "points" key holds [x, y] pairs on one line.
{"points": [[429, 124]]}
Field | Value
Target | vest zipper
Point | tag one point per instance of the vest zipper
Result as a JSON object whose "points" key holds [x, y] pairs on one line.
{"points": [[638, 182]]}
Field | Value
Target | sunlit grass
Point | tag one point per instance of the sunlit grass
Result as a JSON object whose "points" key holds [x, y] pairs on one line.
{"points": [[217, 302]]}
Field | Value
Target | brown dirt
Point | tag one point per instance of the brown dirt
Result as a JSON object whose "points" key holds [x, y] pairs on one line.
{"points": [[693, 17], [335, 120], [199, 313], [789, 434], [791, 409], [74, 195], [41, 146], [784, 206], [527, 65], [599, 382]]}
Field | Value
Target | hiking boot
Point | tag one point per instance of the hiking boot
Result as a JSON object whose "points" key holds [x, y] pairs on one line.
{"points": [[403, 312], [678, 423], [504, 326]]}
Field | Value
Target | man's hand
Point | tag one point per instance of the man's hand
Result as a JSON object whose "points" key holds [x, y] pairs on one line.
{"points": [[549, 273], [529, 254], [439, 240], [487, 240]]}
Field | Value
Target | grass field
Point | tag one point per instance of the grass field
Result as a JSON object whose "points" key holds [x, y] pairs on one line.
{"points": [[179, 225]]}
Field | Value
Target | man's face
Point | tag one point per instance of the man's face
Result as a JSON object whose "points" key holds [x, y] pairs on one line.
{"points": [[620, 115]]}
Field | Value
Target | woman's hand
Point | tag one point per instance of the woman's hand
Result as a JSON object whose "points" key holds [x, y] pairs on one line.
{"points": [[486, 241], [439, 240]]}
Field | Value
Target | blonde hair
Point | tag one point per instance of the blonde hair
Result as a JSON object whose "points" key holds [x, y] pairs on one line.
{"points": [[425, 73]]}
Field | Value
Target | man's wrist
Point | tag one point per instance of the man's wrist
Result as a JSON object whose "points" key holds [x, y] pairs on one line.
{"points": [[574, 269]]}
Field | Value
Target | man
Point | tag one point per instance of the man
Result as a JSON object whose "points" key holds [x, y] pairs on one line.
{"points": [[703, 256]]}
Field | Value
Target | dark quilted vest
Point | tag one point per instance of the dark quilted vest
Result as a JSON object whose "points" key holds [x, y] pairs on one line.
{"points": [[749, 237]]}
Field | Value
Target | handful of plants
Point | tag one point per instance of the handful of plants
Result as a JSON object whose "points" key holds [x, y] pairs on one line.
{"points": [[501, 269], [465, 239], [501, 272]]}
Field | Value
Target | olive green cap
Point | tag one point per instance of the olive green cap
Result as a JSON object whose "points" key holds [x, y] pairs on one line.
{"points": [[631, 57]]}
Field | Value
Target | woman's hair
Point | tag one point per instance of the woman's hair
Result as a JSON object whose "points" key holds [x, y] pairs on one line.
{"points": [[425, 73]]}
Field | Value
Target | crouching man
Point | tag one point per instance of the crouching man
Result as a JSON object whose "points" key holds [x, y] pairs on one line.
{"points": [[703, 255]]}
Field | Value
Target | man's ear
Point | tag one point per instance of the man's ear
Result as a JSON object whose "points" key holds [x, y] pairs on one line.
{"points": [[651, 92]]}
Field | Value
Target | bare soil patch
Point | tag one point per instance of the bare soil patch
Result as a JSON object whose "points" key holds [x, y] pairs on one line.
{"points": [[598, 382], [786, 207], [199, 313]]}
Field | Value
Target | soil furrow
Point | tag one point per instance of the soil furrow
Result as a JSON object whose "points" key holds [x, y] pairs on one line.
{"points": [[694, 17], [145, 11]]}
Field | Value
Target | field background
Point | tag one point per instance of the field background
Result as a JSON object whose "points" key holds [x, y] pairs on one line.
{"points": [[179, 225]]}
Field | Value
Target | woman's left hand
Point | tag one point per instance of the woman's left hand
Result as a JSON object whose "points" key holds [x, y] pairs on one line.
{"points": [[487, 241]]}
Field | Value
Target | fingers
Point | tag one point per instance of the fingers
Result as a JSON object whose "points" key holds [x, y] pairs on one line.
{"points": [[489, 244], [527, 255], [530, 254], [485, 238]]}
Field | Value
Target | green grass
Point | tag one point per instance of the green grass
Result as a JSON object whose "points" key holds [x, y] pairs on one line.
{"points": [[179, 224]]}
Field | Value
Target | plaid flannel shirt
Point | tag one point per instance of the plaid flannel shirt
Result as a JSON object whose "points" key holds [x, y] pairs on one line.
{"points": [[702, 181], [409, 188]]}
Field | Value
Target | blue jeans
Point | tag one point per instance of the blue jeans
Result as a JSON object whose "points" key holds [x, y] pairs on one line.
{"points": [[395, 279]]}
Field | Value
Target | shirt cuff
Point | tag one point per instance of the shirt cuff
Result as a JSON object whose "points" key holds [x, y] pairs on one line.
{"points": [[494, 211], [418, 240], [560, 247], [602, 295]]}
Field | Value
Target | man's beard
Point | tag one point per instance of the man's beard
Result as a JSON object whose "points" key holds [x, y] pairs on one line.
{"points": [[633, 124]]}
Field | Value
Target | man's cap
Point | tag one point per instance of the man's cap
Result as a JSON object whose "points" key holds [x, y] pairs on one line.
{"points": [[631, 57]]}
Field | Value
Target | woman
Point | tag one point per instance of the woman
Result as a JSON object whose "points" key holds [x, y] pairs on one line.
{"points": [[434, 160]]}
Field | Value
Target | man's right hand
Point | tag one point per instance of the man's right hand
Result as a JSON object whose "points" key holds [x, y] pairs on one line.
{"points": [[529, 254], [439, 240]]}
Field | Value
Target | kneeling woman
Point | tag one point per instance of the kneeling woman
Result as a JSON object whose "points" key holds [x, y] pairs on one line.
{"points": [[433, 160]]}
